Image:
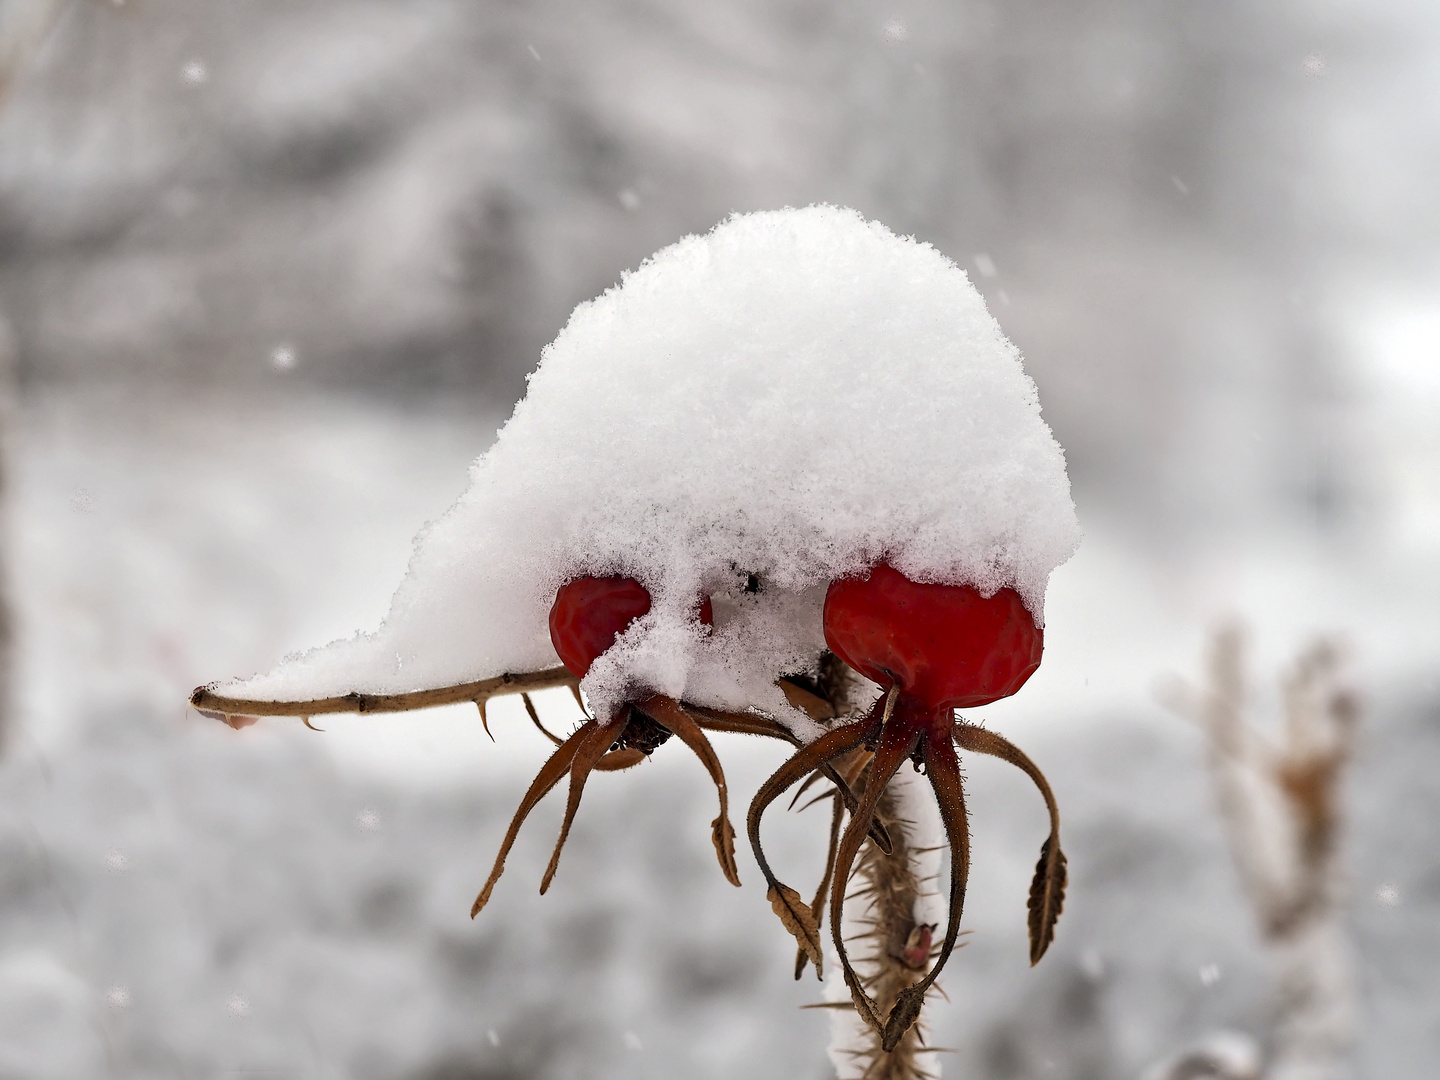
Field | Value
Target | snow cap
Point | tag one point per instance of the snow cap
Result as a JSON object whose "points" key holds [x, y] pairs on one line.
{"points": [[750, 415]]}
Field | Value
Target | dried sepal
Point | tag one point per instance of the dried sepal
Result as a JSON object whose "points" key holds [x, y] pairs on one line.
{"points": [[797, 918], [616, 760], [837, 818], [806, 760], [588, 752], [1047, 897], [1047, 890], [894, 748], [545, 780], [672, 715], [942, 769]]}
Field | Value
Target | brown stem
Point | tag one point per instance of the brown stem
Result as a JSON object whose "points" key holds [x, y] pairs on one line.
{"points": [[211, 703]]}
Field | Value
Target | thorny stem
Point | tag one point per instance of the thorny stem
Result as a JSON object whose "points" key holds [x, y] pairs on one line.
{"points": [[943, 771], [896, 948], [212, 704]]}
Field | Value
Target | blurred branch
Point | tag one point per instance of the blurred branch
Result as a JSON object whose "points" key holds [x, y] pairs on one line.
{"points": [[24, 26], [1280, 803]]}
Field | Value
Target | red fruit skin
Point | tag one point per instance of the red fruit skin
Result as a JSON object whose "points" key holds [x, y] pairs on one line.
{"points": [[589, 613], [946, 645]]}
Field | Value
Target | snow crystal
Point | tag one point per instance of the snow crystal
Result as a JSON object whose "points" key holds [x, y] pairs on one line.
{"points": [[788, 399]]}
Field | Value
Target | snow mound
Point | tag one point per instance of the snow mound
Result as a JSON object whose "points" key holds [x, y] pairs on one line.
{"points": [[749, 415]]}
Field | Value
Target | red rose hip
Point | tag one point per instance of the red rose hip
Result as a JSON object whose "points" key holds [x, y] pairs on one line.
{"points": [[945, 645]]}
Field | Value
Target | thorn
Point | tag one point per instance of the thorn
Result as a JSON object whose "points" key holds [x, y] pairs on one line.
{"points": [[535, 719], [306, 721], [485, 723], [575, 692]]}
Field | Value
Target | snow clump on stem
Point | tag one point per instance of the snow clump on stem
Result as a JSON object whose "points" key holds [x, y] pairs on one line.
{"points": [[750, 415]]}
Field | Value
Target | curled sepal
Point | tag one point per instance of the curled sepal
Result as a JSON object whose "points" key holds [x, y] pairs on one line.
{"points": [[549, 775], [673, 716], [799, 920], [943, 771], [806, 760], [1047, 897], [896, 745], [616, 760], [722, 835], [1047, 891], [837, 818], [753, 724], [907, 1009]]}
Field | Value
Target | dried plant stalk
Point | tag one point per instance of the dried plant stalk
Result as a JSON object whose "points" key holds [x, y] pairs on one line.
{"points": [[891, 919], [1280, 801]]}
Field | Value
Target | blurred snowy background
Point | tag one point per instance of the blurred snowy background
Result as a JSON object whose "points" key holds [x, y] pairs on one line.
{"points": [[271, 274]]}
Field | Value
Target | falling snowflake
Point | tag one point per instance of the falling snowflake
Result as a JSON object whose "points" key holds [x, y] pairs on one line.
{"points": [[238, 1006], [1209, 974], [116, 861], [282, 358], [895, 30], [1314, 64], [368, 820], [82, 500], [118, 997], [1387, 895], [195, 73]]}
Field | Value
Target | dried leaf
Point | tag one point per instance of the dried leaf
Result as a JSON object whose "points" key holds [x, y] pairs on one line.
{"points": [[1047, 897], [799, 920]]}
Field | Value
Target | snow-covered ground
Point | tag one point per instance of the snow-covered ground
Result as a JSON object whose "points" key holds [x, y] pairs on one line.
{"points": [[180, 899]]}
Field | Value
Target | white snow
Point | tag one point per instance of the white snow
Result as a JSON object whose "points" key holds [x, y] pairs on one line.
{"points": [[795, 395]]}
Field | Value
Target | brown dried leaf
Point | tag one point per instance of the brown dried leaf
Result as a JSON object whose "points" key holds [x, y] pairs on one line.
{"points": [[1047, 897], [799, 920]]}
